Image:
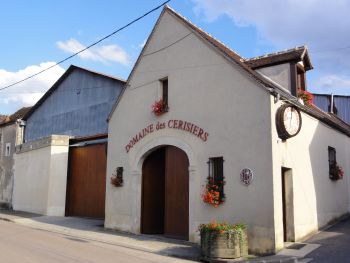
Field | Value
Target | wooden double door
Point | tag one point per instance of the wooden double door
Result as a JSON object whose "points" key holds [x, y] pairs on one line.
{"points": [[165, 193], [86, 181]]}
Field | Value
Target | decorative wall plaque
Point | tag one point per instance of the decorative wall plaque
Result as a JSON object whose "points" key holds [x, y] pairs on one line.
{"points": [[246, 176]]}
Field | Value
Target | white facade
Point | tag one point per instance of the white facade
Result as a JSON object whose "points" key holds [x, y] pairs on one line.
{"points": [[315, 199], [209, 90], [10, 136], [41, 176]]}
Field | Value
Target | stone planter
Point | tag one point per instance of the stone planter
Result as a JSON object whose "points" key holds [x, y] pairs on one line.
{"points": [[228, 244]]}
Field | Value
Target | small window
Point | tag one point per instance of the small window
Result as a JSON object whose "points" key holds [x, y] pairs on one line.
{"points": [[216, 174], [301, 80], [165, 94], [332, 160], [8, 149]]}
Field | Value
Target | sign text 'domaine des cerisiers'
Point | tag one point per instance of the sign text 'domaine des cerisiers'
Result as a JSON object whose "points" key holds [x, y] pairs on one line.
{"points": [[171, 124]]}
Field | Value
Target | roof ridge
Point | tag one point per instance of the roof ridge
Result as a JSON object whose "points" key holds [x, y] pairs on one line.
{"points": [[277, 53], [99, 73]]}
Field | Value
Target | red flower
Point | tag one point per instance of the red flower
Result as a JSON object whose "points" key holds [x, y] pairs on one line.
{"points": [[158, 107], [306, 96]]}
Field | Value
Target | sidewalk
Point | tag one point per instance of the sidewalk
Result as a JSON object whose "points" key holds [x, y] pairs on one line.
{"points": [[91, 229]]}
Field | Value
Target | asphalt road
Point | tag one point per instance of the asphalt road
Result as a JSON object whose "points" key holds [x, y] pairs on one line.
{"points": [[335, 244], [26, 245]]}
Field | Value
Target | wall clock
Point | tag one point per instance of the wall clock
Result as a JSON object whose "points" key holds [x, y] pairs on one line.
{"points": [[288, 121]]}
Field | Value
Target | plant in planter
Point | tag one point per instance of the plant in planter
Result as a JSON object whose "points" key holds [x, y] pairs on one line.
{"points": [[212, 193], [336, 172], [222, 240], [306, 96], [159, 107], [117, 177]]}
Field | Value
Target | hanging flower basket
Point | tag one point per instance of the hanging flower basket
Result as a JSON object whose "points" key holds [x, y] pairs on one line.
{"points": [[336, 172], [222, 240], [306, 96], [211, 193], [159, 107]]}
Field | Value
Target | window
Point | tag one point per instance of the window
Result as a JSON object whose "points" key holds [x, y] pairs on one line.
{"points": [[8, 149], [216, 174], [165, 93], [301, 83], [332, 160]]}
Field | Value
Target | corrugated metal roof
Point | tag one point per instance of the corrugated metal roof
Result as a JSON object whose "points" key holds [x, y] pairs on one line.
{"points": [[341, 105]]}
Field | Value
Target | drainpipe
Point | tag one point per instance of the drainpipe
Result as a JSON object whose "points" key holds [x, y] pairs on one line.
{"points": [[332, 102]]}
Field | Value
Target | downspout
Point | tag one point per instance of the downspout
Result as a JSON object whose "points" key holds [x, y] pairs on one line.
{"points": [[332, 103]]}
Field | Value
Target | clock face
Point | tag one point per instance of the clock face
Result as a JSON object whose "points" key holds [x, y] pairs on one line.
{"points": [[291, 120], [288, 121]]}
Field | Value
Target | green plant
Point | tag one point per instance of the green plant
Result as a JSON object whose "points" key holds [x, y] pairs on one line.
{"points": [[221, 227]]}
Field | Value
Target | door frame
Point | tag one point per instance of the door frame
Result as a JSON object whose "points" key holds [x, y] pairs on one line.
{"points": [[136, 163], [287, 204], [165, 152]]}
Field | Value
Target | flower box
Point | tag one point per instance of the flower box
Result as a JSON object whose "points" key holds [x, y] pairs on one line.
{"points": [[225, 244], [336, 172]]}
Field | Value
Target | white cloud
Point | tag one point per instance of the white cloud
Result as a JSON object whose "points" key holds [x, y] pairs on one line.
{"points": [[333, 81], [322, 25], [318, 22], [30, 91], [106, 53]]}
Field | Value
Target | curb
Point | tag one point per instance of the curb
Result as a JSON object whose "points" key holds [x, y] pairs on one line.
{"points": [[257, 260]]}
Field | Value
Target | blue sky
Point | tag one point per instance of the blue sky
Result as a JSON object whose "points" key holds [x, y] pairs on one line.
{"points": [[36, 34]]}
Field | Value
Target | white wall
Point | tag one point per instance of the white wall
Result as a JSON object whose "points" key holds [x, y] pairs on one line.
{"points": [[41, 175], [205, 89], [317, 200]]}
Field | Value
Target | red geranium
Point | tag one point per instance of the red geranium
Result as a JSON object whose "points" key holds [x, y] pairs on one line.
{"points": [[159, 107], [211, 194], [306, 96]]}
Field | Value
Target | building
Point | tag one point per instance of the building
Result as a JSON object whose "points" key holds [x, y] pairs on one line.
{"points": [[339, 105], [234, 121], [11, 132], [60, 168]]}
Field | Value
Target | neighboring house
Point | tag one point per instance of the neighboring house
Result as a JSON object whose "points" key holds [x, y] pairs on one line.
{"points": [[75, 105], [226, 118], [67, 124], [11, 132], [339, 105], [2, 118]]}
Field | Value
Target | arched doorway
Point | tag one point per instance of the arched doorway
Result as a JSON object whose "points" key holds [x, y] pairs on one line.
{"points": [[165, 193]]}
